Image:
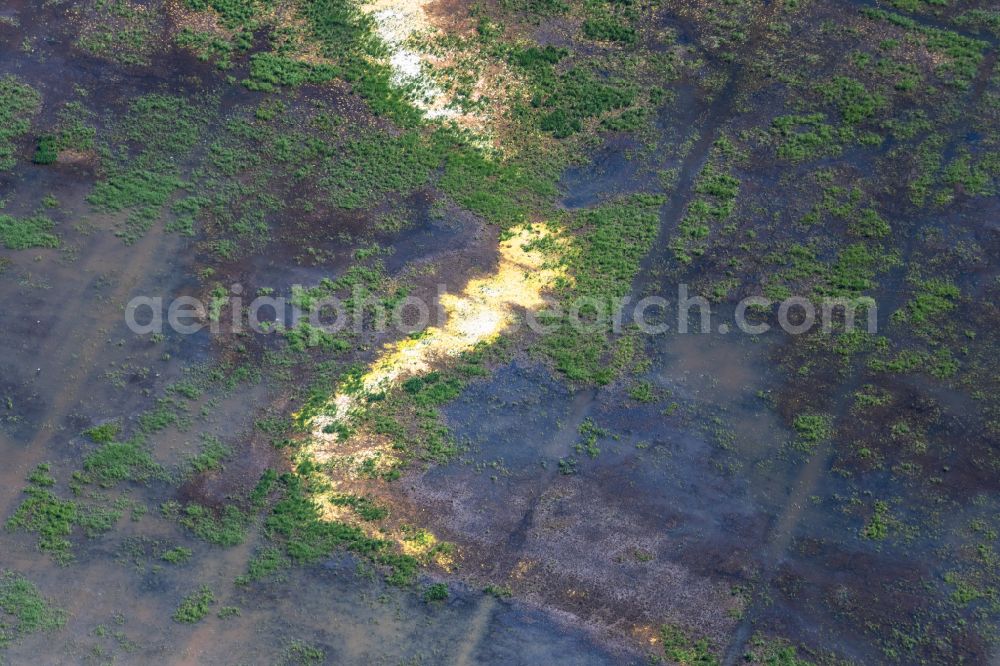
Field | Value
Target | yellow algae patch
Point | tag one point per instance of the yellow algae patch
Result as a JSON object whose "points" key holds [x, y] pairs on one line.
{"points": [[346, 458], [522, 568], [485, 308], [426, 547], [646, 633]]}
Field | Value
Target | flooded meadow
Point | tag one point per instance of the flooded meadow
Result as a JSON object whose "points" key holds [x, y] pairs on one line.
{"points": [[516, 482]]}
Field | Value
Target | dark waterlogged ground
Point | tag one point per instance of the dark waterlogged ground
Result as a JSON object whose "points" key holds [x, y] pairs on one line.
{"points": [[713, 497]]}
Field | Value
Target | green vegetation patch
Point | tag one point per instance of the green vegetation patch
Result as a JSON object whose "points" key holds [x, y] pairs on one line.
{"points": [[121, 31], [536, 9], [27, 232], [375, 163], [980, 19], [852, 99], [104, 433], [869, 224], [156, 135], [717, 192], [962, 55], [503, 192], [207, 46], [679, 647], [812, 430], [195, 607], [577, 96], [366, 507], [177, 555], [608, 244], [303, 654], [295, 523], [432, 389], [347, 38], [436, 592], [931, 299], [115, 462], [213, 452], [877, 527], [608, 29], [74, 130], [941, 363], [23, 610], [226, 527], [47, 150], [240, 17], [54, 519], [19, 102], [773, 652], [51, 518], [263, 564], [806, 137], [974, 177]]}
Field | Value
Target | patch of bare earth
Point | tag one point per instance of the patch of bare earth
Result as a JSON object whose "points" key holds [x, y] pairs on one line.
{"points": [[574, 548], [207, 21]]}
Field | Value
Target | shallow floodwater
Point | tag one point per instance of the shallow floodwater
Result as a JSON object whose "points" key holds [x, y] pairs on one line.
{"points": [[604, 513]]}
